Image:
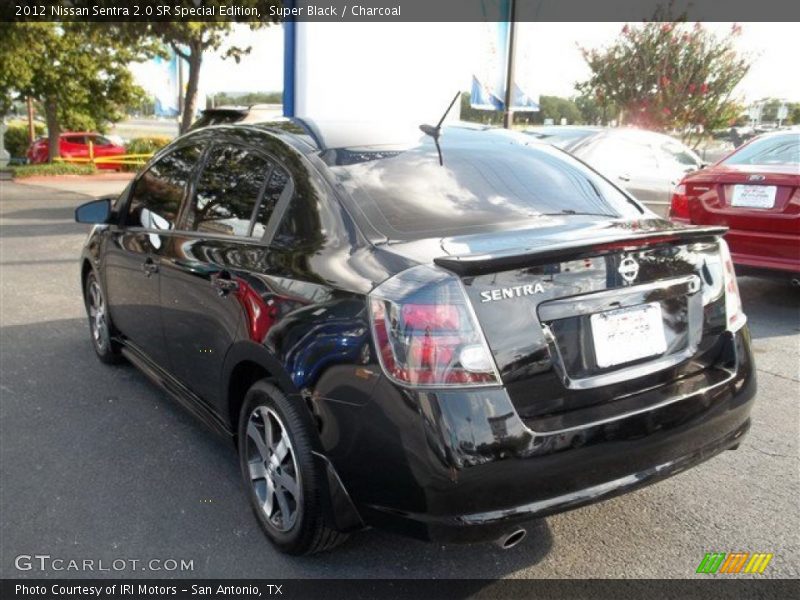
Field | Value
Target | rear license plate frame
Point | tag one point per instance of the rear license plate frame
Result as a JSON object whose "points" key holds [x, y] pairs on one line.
{"points": [[625, 335]]}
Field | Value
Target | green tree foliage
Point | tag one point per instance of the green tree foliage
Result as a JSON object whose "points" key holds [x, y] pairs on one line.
{"points": [[553, 107], [76, 72], [595, 112], [16, 138], [794, 114], [769, 113], [247, 99], [669, 76]]}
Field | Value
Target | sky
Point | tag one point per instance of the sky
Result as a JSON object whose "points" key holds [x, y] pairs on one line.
{"points": [[548, 57]]}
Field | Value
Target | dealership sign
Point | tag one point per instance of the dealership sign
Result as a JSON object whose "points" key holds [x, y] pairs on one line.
{"points": [[490, 80]]}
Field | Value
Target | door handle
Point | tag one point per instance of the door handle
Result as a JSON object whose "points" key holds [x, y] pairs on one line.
{"points": [[149, 267], [624, 177], [224, 283]]}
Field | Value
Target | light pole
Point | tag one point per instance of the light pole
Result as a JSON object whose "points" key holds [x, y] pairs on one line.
{"points": [[5, 157], [508, 114]]}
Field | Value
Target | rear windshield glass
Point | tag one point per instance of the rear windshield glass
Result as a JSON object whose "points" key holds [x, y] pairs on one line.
{"points": [[773, 150], [484, 184]]}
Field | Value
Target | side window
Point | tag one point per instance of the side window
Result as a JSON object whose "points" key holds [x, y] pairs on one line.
{"points": [[301, 224], [158, 193], [672, 153], [613, 156], [278, 180], [99, 140], [228, 190], [75, 139]]}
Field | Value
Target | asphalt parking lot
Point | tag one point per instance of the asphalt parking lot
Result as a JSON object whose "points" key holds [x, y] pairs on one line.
{"points": [[96, 463]]}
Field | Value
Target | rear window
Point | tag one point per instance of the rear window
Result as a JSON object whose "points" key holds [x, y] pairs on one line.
{"points": [[486, 184], [773, 150]]}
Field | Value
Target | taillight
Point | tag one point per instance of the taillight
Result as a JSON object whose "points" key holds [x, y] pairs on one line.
{"points": [[679, 207], [734, 314], [426, 333]]}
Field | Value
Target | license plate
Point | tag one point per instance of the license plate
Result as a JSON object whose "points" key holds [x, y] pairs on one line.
{"points": [[628, 334], [754, 196]]}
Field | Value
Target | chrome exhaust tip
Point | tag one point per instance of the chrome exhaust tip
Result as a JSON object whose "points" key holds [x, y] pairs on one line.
{"points": [[510, 540], [795, 281]]}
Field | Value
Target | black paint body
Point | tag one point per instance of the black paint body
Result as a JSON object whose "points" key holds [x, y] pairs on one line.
{"points": [[460, 464]]}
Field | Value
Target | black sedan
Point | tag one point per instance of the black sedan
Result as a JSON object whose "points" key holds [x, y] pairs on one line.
{"points": [[444, 333]]}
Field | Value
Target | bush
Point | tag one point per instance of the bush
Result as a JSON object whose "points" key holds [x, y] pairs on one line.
{"points": [[144, 145], [20, 172], [16, 138]]}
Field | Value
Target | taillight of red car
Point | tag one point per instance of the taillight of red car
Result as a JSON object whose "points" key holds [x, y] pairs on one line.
{"points": [[679, 207], [426, 333]]}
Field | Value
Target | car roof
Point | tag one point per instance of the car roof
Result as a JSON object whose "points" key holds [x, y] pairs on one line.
{"points": [[319, 135]]}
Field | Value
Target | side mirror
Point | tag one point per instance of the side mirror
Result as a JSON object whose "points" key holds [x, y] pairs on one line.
{"points": [[94, 212]]}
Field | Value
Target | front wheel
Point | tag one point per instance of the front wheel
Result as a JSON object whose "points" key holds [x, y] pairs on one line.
{"points": [[99, 323], [278, 468]]}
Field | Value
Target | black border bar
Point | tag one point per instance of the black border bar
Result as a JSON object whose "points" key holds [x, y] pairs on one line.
{"points": [[701, 588], [398, 10]]}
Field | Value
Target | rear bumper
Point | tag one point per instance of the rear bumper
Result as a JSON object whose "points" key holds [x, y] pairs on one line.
{"points": [[765, 251], [484, 472]]}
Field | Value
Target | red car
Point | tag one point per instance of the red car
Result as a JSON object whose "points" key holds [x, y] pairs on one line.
{"points": [[755, 191], [76, 145]]}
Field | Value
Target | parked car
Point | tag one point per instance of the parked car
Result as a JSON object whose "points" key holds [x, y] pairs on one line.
{"points": [[76, 145], [647, 164], [444, 334], [756, 192], [228, 114]]}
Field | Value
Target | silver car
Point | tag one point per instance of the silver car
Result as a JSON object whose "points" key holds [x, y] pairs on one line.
{"points": [[647, 164]]}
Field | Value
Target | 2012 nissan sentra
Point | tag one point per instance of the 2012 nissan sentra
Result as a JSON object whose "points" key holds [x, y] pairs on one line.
{"points": [[440, 331]]}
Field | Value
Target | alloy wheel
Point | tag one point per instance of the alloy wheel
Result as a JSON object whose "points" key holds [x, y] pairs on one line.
{"points": [[273, 468], [97, 316]]}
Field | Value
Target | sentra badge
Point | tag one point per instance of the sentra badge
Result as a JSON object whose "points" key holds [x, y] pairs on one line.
{"points": [[512, 292]]}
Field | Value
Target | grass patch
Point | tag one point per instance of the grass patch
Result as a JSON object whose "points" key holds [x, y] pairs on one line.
{"points": [[23, 171]]}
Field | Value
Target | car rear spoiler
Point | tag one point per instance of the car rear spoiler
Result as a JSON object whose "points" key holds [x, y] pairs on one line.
{"points": [[515, 258]]}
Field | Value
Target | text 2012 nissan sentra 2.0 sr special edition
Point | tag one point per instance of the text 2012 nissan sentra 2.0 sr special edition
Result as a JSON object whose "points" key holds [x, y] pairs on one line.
{"points": [[444, 333]]}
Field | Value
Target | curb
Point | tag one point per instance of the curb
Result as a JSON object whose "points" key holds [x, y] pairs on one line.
{"points": [[75, 178]]}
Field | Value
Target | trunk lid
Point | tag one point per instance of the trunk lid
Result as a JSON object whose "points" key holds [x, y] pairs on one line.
{"points": [[746, 197], [593, 312]]}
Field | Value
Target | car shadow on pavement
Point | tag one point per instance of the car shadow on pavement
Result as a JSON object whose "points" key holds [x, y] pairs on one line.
{"points": [[63, 213], [129, 473], [772, 306]]}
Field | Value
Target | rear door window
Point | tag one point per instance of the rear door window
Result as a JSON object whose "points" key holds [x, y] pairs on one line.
{"points": [[277, 183], [228, 191], [615, 155], [158, 193]]}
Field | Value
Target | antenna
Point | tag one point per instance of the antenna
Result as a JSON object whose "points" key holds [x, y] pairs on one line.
{"points": [[435, 132]]}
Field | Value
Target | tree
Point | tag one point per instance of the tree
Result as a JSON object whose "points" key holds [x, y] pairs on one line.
{"points": [[191, 40], [669, 76], [794, 114], [247, 99], [76, 72], [553, 107], [595, 112]]}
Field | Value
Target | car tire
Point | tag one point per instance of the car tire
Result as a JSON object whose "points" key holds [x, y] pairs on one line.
{"points": [[278, 471], [100, 326]]}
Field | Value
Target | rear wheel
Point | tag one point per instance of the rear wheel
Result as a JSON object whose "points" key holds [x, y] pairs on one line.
{"points": [[278, 468], [99, 323]]}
